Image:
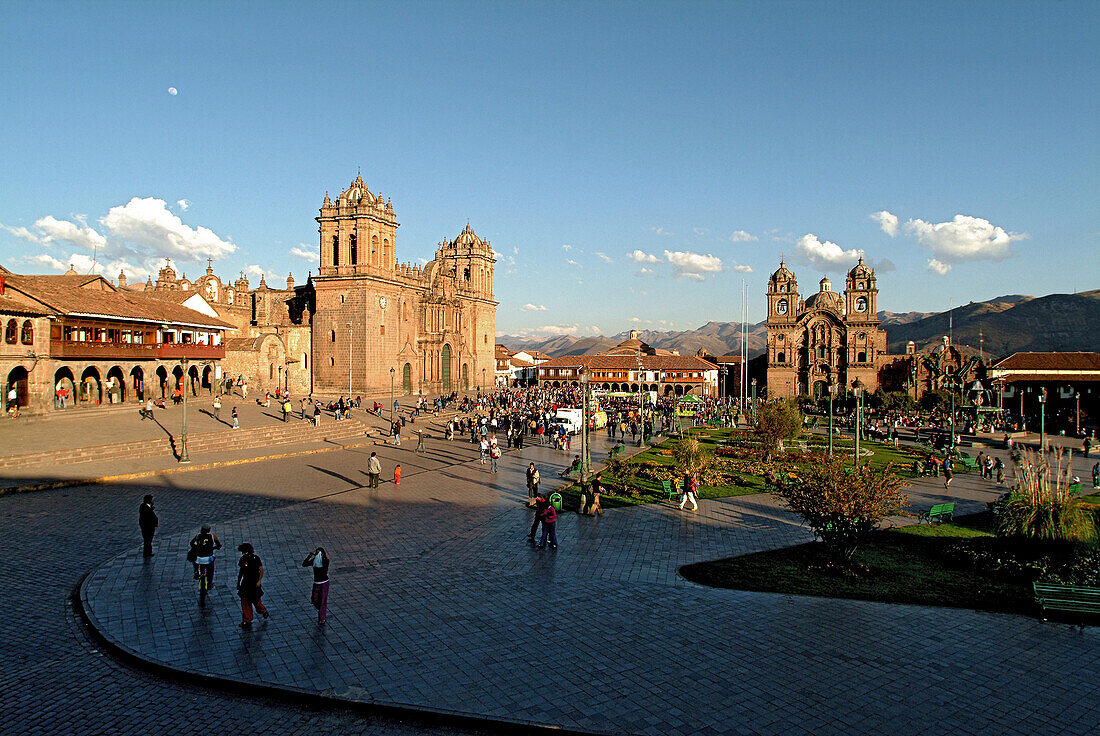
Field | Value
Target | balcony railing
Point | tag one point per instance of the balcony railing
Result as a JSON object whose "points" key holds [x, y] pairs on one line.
{"points": [[102, 350], [191, 351], [132, 351]]}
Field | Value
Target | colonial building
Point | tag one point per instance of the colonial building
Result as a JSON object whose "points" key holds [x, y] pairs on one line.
{"points": [[374, 320], [828, 338], [633, 365], [81, 337]]}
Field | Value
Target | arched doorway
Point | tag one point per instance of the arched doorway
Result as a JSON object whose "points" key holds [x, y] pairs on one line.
{"points": [[137, 382], [465, 376], [445, 360], [162, 381], [668, 391], [17, 379], [407, 378], [90, 388], [207, 374], [821, 389], [64, 388], [633, 388], [679, 390], [116, 386], [193, 373]]}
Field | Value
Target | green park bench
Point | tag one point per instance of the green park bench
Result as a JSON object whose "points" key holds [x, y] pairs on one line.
{"points": [[1075, 489], [672, 492], [941, 511], [616, 450], [968, 462], [1072, 598]]}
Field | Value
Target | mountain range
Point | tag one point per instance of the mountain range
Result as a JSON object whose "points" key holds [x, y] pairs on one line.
{"points": [[998, 327]]}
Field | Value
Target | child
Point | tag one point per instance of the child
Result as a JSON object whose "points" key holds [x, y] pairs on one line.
{"points": [[397, 475]]}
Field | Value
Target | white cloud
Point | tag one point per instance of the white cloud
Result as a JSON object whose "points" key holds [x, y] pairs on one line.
{"points": [[743, 269], [532, 308], [603, 257], [557, 329], [825, 255], [146, 221], [660, 231], [83, 263], [183, 204], [964, 238], [642, 257], [938, 267], [80, 235], [888, 221], [643, 271], [885, 266], [22, 232], [48, 261], [700, 231], [594, 329], [301, 251], [693, 265], [571, 262], [515, 250], [261, 272], [173, 91], [566, 246], [740, 236]]}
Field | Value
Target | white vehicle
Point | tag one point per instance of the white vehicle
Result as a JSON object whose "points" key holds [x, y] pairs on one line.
{"points": [[573, 420]]}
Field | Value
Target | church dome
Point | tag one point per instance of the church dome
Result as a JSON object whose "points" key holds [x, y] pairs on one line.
{"points": [[825, 299], [355, 193], [468, 238], [782, 273], [860, 271]]}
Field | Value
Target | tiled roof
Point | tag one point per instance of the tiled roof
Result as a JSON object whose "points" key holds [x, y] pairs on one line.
{"points": [[630, 362], [1066, 377], [10, 306], [1050, 362], [520, 362], [76, 296], [242, 344]]}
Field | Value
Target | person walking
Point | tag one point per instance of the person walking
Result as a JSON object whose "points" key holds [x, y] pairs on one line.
{"points": [[318, 560], [236, 419], [148, 412], [218, 408], [541, 503], [494, 456], [1096, 475], [397, 474], [549, 524], [147, 520], [948, 471], [374, 470], [690, 489], [594, 508], [286, 409], [396, 429], [201, 551], [420, 441], [532, 484], [250, 576]]}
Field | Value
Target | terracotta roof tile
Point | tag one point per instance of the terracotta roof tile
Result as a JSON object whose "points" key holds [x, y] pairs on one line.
{"points": [[1050, 362]]}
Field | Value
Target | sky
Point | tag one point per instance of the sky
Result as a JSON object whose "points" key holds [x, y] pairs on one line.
{"points": [[632, 164]]}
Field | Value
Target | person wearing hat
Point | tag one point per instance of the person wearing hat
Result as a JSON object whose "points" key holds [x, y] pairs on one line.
{"points": [[250, 574], [201, 552], [147, 520]]}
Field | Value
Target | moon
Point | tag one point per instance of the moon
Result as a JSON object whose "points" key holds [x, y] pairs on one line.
{"points": [[173, 91]]}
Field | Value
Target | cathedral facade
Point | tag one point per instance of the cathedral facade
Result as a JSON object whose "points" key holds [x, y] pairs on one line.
{"points": [[826, 339], [374, 320]]}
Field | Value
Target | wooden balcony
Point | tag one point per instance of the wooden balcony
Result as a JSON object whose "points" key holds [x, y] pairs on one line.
{"points": [[191, 351], [102, 350]]}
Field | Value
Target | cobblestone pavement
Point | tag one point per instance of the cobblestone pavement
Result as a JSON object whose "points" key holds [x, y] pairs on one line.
{"points": [[55, 679], [438, 603]]}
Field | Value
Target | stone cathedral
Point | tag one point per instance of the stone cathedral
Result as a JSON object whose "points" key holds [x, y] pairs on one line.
{"points": [[428, 329], [828, 338]]}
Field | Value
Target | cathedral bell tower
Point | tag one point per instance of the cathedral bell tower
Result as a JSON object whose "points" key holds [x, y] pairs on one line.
{"points": [[358, 233], [783, 300], [861, 294]]}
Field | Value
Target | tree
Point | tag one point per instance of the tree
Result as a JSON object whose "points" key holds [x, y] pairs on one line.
{"points": [[843, 505], [692, 458], [940, 399], [777, 420]]}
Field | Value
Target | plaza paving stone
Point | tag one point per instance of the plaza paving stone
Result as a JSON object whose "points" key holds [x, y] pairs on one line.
{"points": [[437, 603]]}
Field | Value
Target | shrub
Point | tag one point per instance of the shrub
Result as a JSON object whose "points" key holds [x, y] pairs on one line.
{"points": [[843, 505], [776, 421], [1041, 507]]}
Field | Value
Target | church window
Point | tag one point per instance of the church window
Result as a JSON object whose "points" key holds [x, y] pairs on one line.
{"points": [[781, 357], [781, 306], [486, 339], [332, 335], [28, 333], [332, 361], [821, 353], [305, 361], [336, 250], [11, 331], [270, 370], [229, 296], [353, 249], [466, 273], [861, 357], [381, 329]]}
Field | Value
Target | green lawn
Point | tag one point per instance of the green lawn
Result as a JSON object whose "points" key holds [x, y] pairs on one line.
{"points": [[906, 565]]}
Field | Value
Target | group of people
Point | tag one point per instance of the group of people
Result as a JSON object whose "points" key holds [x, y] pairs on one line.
{"points": [[202, 551]]}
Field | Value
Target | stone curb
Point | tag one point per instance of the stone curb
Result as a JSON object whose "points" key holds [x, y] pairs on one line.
{"points": [[395, 711]]}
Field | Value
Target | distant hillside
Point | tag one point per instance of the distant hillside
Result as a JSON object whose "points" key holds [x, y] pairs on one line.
{"points": [[1007, 324]]}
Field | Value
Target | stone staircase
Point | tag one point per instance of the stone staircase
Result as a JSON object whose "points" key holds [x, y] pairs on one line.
{"points": [[294, 432]]}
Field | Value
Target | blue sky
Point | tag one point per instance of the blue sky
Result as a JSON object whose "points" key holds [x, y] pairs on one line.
{"points": [[630, 162]]}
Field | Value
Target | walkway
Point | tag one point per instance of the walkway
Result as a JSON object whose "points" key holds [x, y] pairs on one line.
{"points": [[439, 604]]}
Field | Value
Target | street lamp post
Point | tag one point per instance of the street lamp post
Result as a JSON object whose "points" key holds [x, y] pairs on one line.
{"points": [[585, 374], [1077, 407], [753, 382], [392, 370], [184, 458], [349, 360], [857, 389], [832, 390], [1042, 420]]}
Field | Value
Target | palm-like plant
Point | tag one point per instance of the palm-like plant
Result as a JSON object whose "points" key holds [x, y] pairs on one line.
{"points": [[1042, 507]]}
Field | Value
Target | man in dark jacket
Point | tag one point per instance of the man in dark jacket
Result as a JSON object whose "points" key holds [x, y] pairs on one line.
{"points": [[147, 520]]}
